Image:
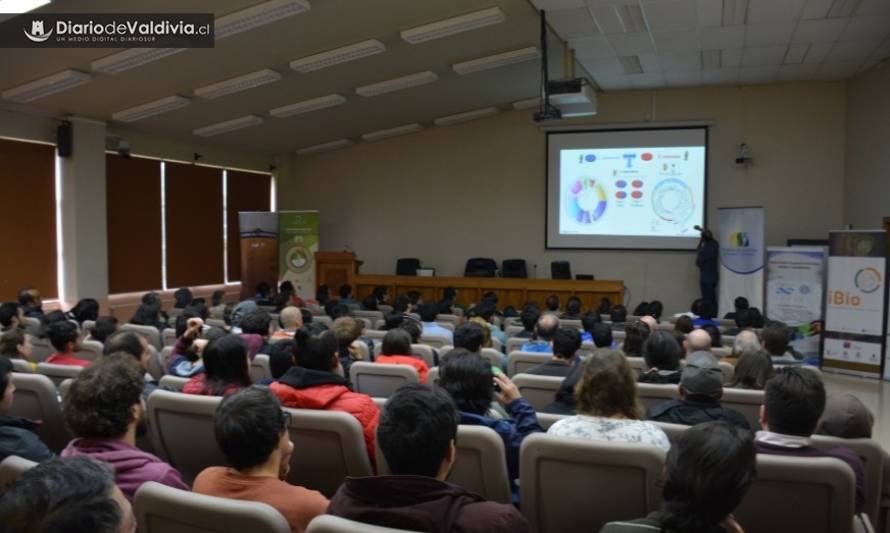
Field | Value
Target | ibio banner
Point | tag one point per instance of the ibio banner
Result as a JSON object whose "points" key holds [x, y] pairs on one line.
{"points": [[856, 303], [298, 234]]}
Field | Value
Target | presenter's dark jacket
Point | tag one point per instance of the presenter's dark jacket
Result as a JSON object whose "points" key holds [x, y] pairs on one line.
{"points": [[706, 261]]}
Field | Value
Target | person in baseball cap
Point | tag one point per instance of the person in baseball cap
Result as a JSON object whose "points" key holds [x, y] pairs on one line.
{"points": [[700, 390]]}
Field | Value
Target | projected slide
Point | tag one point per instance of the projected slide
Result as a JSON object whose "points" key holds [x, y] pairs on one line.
{"points": [[633, 195]]}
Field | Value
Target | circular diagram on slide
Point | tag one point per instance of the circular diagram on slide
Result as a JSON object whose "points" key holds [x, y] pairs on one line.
{"points": [[586, 201], [672, 201]]}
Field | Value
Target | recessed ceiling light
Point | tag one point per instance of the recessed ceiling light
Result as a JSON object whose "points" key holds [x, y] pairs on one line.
{"points": [[497, 60], [43, 87], [325, 147], [238, 84], [313, 104], [228, 125], [150, 109], [397, 84], [454, 25], [466, 116], [338, 55], [392, 132]]}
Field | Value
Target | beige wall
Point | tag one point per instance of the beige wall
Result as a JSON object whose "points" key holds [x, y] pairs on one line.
{"points": [[868, 148], [477, 189]]}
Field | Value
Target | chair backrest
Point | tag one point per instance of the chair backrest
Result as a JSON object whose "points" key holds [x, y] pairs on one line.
{"points": [[181, 428], [436, 341], [480, 267], [41, 350], [58, 373], [323, 319], [380, 380], [548, 419], [169, 337], [540, 391], [445, 317], [216, 322], [174, 383], [652, 394], [33, 326], [812, 494], [511, 332], [722, 351], [493, 356], [432, 377], [560, 270], [87, 327], [328, 446], [89, 350], [37, 398], [728, 371], [480, 465], [746, 402], [446, 324], [63, 388], [151, 334], [673, 431], [11, 468], [560, 473], [515, 343], [873, 462], [407, 266], [327, 523], [370, 315], [514, 268], [519, 362], [21, 365], [424, 352], [162, 509], [259, 368], [368, 323], [570, 323], [497, 345], [512, 321], [157, 362]]}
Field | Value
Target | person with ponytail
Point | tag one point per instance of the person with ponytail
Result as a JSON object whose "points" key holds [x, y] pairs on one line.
{"points": [[317, 382], [709, 471]]}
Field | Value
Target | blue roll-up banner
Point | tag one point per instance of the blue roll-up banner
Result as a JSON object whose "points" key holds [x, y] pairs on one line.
{"points": [[740, 232], [795, 289]]}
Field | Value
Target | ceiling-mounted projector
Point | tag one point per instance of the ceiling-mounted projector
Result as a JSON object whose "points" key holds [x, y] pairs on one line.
{"points": [[573, 98]]}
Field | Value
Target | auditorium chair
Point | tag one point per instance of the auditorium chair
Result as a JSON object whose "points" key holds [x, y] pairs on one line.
{"points": [[32, 326], [569, 323], [169, 337], [872, 456], [447, 325], [11, 468], [497, 345], [20, 365], [334, 524], [480, 267], [259, 368], [41, 350], [442, 318], [514, 344], [151, 334], [512, 321], [380, 380], [373, 316], [513, 268], [587, 348], [673, 431], [493, 356], [652, 394], [162, 509], [540, 391], [324, 319], [36, 398], [89, 350], [548, 419], [571, 484], [519, 362], [407, 266], [511, 332], [560, 270], [58, 373], [746, 402], [432, 377], [424, 352], [435, 341], [86, 329], [329, 446], [63, 388], [367, 323]]}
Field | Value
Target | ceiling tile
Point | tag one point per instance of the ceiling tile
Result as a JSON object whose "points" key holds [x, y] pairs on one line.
{"points": [[867, 27], [760, 57], [606, 19], [837, 71], [683, 78], [612, 82], [796, 53], [631, 44], [647, 81], [853, 51], [670, 15], [674, 61], [594, 46], [572, 23], [873, 7], [881, 52], [797, 72], [819, 31], [675, 41], [720, 76], [721, 37], [760, 11], [557, 5], [603, 65], [650, 63], [758, 74], [818, 52], [710, 13], [816, 9], [867, 66], [768, 33], [731, 58]]}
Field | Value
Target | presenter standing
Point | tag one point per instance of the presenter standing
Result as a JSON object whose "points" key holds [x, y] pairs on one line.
{"points": [[706, 261]]}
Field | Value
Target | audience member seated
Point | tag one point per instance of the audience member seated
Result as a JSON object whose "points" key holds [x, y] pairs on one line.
{"points": [[745, 341], [239, 312], [714, 334], [226, 368], [85, 309], [415, 299], [346, 295], [281, 358], [793, 403], [566, 343], [16, 433], [607, 404], [618, 314], [656, 309], [428, 312], [776, 340], [105, 411], [317, 382], [369, 303], [32, 305], [701, 388], [65, 339], [402, 304], [709, 470], [753, 369], [662, 355], [697, 340], [588, 321], [75, 495], [392, 320], [739, 304], [846, 417], [552, 304], [263, 294], [573, 309], [744, 319], [635, 335], [601, 335], [604, 306], [544, 331], [650, 322], [381, 294], [396, 350], [185, 358], [684, 325], [486, 311], [417, 432], [182, 298], [757, 319], [469, 336], [529, 318], [472, 385], [446, 306], [334, 309], [11, 316], [256, 326], [251, 430], [134, 344], [16, 344], [291, 319], [641, 309], [104, 327], [149, 315], [348, 330], [707, 314], [323, 294], [486, 331]]}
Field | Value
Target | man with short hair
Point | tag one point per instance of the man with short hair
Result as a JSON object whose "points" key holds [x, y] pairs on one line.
{"points": [[544, 331], [529, 317], [256, 326], [588, 321], [11, 316], [29, 299], [251, 430], [701, 387], [74, 495], [105, 411], [65, 338], [793, 402], [618, 315], [469, 336], [739, 304], [428, 312], [776, 340], [601, 335], [417, 432], [697, 340], [552, 304], [566, 343], [136, 345], [291, 319], [281, 358]]}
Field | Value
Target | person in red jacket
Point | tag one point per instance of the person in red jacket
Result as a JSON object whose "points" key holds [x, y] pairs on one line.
{"points": [[397, 351], [317, 382]]}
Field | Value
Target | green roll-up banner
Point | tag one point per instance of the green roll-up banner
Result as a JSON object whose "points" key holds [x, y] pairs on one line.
{"points": [[297, 244]]}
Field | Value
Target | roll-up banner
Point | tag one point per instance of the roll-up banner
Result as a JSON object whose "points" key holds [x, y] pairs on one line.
{"points": [[795, 288], [740, 234], [855, 335], [298, 232]]}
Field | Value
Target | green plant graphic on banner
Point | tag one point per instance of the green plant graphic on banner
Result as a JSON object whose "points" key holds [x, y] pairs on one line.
{"points": [[298, 242]]}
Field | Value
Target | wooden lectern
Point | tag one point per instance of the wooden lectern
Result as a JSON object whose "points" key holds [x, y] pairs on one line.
{"points": [[335, 269]]}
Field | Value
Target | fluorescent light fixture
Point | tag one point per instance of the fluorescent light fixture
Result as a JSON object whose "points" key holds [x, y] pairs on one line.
{"points": [[21, 6], [258, 15], [397, 84], [150, 109], [454, 25], [466, 117], [710, 59], [528, 103], [338, 55], [229, 125], [238, 84], [43, 87], [497, 60], [631, 16], [735, 12], [313, 104], [392, 132], [631, 64], [131, 58], [325, 147]]}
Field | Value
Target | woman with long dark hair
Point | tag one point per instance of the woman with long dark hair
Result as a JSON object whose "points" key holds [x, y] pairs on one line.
{"points": [[226, 368]]}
